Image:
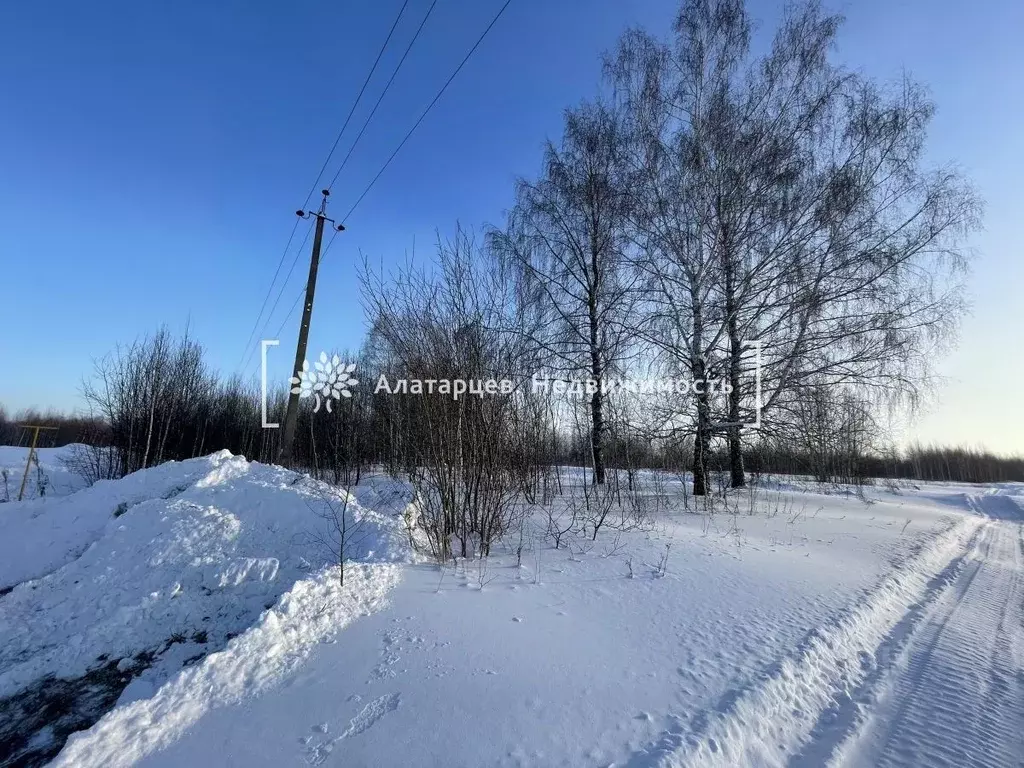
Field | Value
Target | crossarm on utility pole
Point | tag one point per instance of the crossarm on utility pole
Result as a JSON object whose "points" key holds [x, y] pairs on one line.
{"points": [[32, 449]]}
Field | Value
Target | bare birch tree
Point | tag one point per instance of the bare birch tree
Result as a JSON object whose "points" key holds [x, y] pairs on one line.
{"points": [[783, 200], [565, 235]]}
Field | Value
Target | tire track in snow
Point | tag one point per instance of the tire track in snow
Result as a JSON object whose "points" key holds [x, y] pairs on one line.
{"points": [[768, 723], [849, 710], [957, 696]]}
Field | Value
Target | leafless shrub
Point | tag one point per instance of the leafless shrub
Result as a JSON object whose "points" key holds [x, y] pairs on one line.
{"points": [[615, 548], [42, 479], [562, 518], [92, 462], [662, 567], [469, 459], [343, 535]]}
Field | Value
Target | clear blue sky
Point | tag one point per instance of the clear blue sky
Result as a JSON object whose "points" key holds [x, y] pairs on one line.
{"points": [[152, 155]]}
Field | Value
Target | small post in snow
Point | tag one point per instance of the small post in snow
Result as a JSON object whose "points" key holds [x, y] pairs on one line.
{"points": [[32, 449]]}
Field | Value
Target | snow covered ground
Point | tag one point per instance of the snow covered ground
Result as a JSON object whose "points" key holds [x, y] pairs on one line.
{"points": [[820, 629], [120, 586], [955, 695], [47, 477]]}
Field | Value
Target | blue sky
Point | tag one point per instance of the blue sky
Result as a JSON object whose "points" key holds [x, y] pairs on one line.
{"points": [[152, 155]]}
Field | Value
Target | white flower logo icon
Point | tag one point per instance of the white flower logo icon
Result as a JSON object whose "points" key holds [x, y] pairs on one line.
{"points": [[329, 378]]}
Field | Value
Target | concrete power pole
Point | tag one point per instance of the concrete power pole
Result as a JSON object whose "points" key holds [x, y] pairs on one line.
{"points": [[288, 430]]}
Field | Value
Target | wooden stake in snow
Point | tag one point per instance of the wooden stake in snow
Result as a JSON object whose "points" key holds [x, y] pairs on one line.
{"points": [[32, 449]]}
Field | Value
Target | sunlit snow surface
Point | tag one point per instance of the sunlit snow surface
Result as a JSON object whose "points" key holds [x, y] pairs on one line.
{"points": [[883, 630]]}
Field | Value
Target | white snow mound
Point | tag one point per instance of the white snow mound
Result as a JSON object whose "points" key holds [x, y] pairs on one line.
{"points": [[174, 562], [39, 535]]}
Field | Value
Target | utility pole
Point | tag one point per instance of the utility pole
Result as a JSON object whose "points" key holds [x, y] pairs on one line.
{"points": [[31, 451], [288, 431]]}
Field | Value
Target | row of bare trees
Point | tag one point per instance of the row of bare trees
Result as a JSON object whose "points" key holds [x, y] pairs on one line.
{"points": [[159, 400], [712, 198], [68, 428]]}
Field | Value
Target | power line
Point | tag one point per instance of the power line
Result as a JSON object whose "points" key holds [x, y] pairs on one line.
{"points": [[323, 167], [383, 94], [291, 269], [280, 292], [295, 303], [427, 110], [270, 290], [402, 143], [355, 104]]}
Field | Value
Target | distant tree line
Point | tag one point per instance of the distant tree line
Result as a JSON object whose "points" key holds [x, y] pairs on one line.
{"points": [[70, 428]]}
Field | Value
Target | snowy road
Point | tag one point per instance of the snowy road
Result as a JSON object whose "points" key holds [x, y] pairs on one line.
{"points": [[956, 696]]}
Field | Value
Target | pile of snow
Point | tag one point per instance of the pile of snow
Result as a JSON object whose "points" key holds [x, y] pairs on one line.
{"points": [[164, 566], [40, 535]]}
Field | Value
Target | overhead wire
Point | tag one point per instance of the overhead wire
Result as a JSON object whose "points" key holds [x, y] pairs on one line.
{"points": [[263, 306], [384, 93], [355, 104], [280, 292], [427, 110], [405, 139], [327, 160]]}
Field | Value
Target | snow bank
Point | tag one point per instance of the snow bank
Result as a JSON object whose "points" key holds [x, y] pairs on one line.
{"points": [[177, 560], [38, 536], [311, 613]]}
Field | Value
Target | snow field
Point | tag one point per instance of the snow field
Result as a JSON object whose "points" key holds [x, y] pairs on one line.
{"points": [[57, 479], [769, 723], [954, 693], [567, 661], [760, 637]]}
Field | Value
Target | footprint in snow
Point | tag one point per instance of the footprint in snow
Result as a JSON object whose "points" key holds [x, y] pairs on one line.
{"points": [[384, 669], [389, 658], [368, 716]]}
